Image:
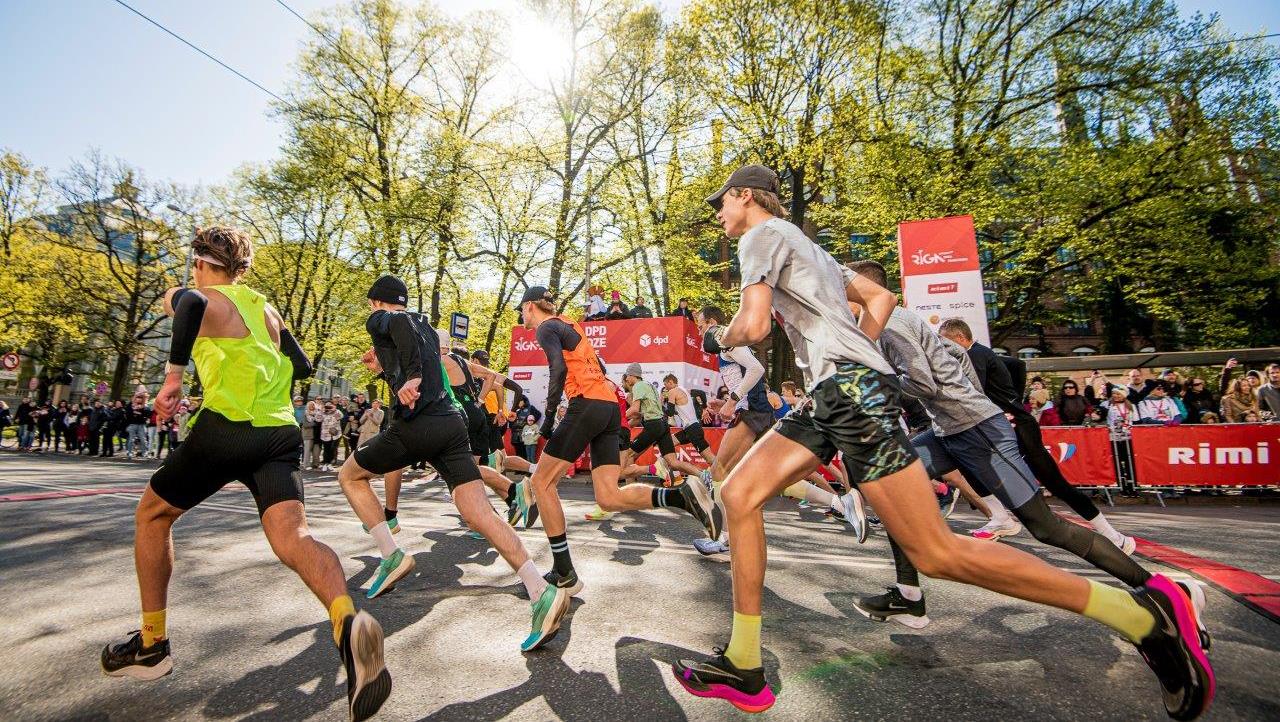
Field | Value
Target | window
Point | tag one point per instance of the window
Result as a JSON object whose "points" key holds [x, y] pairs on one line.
{"points": [[1084, 350], [993, 310], [1147, 349], [1027, 352]]}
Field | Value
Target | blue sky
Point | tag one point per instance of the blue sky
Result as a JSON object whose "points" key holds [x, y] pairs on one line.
{"points": [[88, 73]]}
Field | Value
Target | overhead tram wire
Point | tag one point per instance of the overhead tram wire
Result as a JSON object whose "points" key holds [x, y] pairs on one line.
{"points": [[499, 165], [200, 50]]}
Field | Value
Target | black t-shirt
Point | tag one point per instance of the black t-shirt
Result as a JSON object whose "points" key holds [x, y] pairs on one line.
{"points": [[408, 348]]}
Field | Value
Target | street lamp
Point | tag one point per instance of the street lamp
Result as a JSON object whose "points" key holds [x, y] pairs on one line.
{"points": [[186, 271]]}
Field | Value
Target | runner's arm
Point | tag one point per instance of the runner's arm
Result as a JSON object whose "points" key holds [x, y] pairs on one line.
{"points": [[187, 306], [877, 301], [289, 347], [405, 338], [551, 336], [909, 359], [753, 370], [751, 324]]}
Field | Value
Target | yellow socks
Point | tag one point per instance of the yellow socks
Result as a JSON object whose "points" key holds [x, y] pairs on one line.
{"points": [[153, 627], [744, 645], [341, 608], [1117, 609]]}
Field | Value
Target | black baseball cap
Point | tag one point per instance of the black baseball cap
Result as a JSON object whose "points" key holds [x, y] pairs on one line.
{"points": [[748, 176], [535, 293], [389, 289]]}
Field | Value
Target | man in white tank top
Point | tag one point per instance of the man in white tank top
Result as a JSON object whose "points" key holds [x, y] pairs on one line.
{"points": [[687, 418]]}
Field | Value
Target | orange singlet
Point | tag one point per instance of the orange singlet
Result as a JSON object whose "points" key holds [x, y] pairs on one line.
{"points": [[584, 376]]}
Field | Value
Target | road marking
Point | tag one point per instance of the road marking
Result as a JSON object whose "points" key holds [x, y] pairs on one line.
{"points": [[66, 493]]}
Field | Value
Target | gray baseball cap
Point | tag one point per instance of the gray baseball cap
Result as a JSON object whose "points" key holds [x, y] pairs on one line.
{"points": [[748, 176], [634, 370]]}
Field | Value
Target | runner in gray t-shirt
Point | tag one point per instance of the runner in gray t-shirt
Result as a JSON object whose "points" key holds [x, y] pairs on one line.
{"points": [[854, 409]]}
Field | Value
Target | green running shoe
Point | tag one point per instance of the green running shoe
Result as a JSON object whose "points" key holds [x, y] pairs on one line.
{"points": [[391, 570], [548, 610]]}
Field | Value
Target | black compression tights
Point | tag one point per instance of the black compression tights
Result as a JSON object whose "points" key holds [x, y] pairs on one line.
{"points": [[1046, 470], [1053, 530]]}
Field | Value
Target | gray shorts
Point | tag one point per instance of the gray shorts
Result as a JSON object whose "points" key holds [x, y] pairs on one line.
{"points": [[986, 454]]}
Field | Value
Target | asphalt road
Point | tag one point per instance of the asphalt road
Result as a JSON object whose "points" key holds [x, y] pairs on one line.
{"points": [[251, 642]]}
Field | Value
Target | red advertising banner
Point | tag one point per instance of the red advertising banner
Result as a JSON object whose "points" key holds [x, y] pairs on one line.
{"points": [[641, 340], [939, 245], [1207, 455], [1083, 453]]}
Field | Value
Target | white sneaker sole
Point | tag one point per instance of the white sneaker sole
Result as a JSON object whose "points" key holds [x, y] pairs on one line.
{"points": [[145, 674], [906, 620], [708, 507], [855, 514], [997, 534], [367, 654]]}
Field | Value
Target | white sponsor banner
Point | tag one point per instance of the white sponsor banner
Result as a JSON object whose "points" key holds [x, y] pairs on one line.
{"points": [[936, 297]]}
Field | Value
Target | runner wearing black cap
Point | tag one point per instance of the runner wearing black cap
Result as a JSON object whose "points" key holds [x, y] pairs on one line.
{"points": [[426, 426], [591, 421], [853, 407]]}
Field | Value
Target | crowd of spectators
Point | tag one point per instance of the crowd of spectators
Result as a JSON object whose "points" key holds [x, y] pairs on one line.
{"points": [[596, 309]]}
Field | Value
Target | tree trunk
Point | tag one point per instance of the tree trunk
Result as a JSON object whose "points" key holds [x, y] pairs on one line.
{"points": [[119, 376]]}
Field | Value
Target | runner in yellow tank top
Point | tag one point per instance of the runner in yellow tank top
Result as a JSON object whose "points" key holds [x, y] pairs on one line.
{"points": [[245, 431]]}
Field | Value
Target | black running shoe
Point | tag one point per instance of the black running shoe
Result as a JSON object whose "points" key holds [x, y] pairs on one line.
{"points": [[698, 502], [571, 581], [128, 658], [892, 605], [745, 689], [1172, 650], [368, 681]]}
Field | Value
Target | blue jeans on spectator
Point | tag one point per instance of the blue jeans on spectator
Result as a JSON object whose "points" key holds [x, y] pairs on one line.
{"points": [[26, 436], [137, 439]]}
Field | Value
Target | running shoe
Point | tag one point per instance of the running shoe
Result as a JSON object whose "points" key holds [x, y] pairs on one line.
{"points": [[668, 476], [368, 681], [473, 534], [994, 532], [892, 605], [1194, 589], [707, 481], [855, 513], [804, 504], [598, 514], [947, 502], [1173, 651], [717, 677], [1128, 544], [391, 570], [698, 502], [549, 610], [523, 508], [710, 547], [128, 658], [574, 589]]}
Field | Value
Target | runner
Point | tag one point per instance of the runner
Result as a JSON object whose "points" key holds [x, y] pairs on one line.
{"points": [[751, 416], [971, 434], [426, 425], [690, 423], [591, 421], [245, 431], [470, 382], [654, 432], [998, 385], [854, 407]]}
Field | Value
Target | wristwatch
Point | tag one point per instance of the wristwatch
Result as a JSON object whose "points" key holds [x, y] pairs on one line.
{"points": [[734, 395]]}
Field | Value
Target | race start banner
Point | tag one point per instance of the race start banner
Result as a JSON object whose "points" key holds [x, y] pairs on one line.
{"points": [[940, 272], [1083, 454], [1207, 455], [668, 345]]}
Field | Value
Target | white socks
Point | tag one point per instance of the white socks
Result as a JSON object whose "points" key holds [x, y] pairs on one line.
{"points": [[1000, 516], [814, 495], [1103, 527], [382, 535], [909, 593], [533, 468], [534, 584]]}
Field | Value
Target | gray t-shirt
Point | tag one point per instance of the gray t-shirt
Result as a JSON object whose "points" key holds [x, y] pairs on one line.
{"points": [[809, 295]]}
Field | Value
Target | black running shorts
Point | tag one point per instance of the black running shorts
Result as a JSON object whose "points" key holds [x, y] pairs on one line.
{"points": [[440, 441], [587, 422], [856, 411], [477, 428], [655, 431], [758, 421], [219, 451], [692, 434]]}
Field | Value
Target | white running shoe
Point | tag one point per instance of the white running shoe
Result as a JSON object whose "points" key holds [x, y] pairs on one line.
{"points": [[710, 547], [1128, 544], [855, 513]]}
